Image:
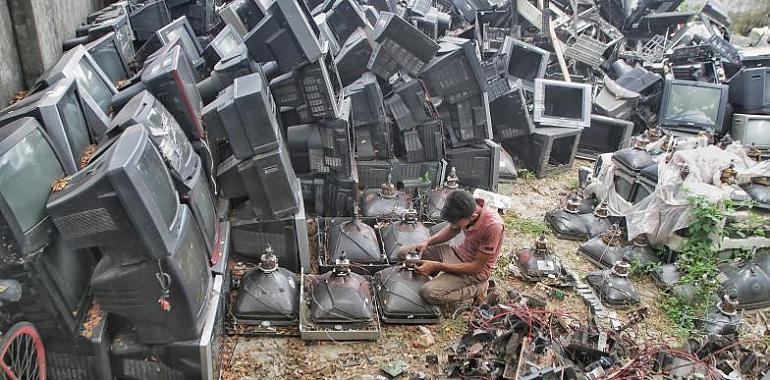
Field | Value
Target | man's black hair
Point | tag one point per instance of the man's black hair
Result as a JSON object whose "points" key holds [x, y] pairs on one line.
{"points": [[459, 204]]}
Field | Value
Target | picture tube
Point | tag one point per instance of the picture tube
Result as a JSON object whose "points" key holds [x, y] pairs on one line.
{"points": [[154, 174], [693, 104], [26, 173], [757, 133], [74, 124], [524, 64], [563, 102], [94, 85]]}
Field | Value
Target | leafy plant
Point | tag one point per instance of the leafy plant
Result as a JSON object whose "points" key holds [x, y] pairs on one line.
{"points": [[526, 175], [426, 177], [698, 263], [527, 226]]}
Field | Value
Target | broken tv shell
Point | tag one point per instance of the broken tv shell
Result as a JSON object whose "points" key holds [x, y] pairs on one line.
{"points": [[397, 289], [538, 263], [750, 282]]}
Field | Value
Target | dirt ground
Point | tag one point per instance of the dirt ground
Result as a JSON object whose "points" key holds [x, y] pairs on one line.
{"points": [[292, 358]]}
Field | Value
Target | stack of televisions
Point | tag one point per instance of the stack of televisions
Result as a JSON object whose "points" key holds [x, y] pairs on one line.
{"points": [[167, 133]]}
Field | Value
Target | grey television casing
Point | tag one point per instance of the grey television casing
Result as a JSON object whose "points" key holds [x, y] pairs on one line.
{"points": [[539, 101], [741, 130]]}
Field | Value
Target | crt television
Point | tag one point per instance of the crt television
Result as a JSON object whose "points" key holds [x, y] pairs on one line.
{"points": [[78, 64], [693, 106], [604, 135], [28, 167], [171, 79], [752, 130], [60, 111], [181, 28], [221, 46], [148, 18], [107, 54], [562, 104], [524, 61], [288, 35], [242, 15], [132, 289], [164, 131], [750, 90], [124, 201]]}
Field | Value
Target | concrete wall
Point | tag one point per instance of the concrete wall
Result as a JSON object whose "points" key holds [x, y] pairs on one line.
{"points": [[39, 28], [10, 68]]}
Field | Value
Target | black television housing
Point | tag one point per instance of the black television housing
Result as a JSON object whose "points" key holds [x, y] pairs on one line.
{"points": [[267, 180], [181, 28], [477, 166], [454, 69], [222, 46], [401, 45], [171, 79], [132, 289], [604, 135], [345, 17], [201, 202], [367, 105], [164, 131], [148, 18], [107, 53], [688, 106], [124, 201], [249, 117], [287, 35], [524, 61], [61, 111], [353, 57], [236, 64], [750, 90], [97, 88], [29, 165], [510, 115]]}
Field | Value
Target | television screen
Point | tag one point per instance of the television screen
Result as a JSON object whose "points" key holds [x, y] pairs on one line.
{"points": [[604, 135], [74, 123], [562, 104], [94, 84], [689, 104], [28, 167], [526, 62], [108, 56], [752, 130]]}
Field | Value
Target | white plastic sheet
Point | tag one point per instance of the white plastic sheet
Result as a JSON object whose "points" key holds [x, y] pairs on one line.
{"points": [[667, 209]]}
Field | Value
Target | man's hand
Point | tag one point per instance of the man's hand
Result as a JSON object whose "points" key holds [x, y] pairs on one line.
{"points": [[427, 267], [421, 247]]}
